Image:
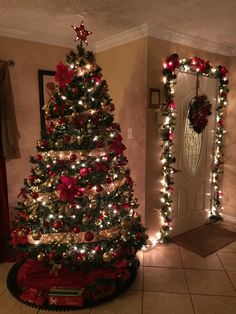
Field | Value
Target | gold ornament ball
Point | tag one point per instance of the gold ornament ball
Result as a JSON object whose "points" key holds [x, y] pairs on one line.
{"points": [[26, 203], [73, 140], [107, 257], [48, 184], [36, 235], [105, 212], [21, 233], [59, 143], [123, 223], [94, 204], [85, 220], [74, 114], [41, 256], [68, 211], [136, 215], [98, 222], [65, 255], [89, 125], [53, 180]]}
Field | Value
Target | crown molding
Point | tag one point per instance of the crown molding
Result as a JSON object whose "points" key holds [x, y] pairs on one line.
{"points": [[160, 32], [35, 36], [144, 30], [122, 38], [233, 52]]}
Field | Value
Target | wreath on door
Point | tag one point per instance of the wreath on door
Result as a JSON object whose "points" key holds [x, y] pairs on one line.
{"points": [[200, 109]]}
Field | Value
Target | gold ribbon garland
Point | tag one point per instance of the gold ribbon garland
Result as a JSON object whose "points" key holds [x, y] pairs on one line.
{"points": [[65, 237]]}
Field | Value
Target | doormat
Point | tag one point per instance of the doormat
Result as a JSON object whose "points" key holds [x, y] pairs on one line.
{"points": [[206, 239]]}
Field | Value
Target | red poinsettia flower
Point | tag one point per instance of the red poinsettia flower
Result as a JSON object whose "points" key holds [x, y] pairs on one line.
{"points": [[223, 70], [23, 193], [63, 75], [172, 62], [67, 188], [171, 105], [199, 64], [117, 146]]}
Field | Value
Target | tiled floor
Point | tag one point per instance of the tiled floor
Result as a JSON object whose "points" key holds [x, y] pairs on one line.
{"points": [[171, 280]]}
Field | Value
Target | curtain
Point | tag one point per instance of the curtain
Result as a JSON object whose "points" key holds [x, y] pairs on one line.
{"points": [[9, 149]]}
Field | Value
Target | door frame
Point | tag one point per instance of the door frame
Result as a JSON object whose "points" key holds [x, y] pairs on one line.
{"points": [[198, 66]]}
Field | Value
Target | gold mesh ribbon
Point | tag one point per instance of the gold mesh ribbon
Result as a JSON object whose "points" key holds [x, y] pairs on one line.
{"points": [[81, 154], [107, 188], [63, 238]]}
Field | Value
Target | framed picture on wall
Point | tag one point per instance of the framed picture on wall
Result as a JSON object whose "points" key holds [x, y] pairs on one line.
{"points": [[47, 86], [154, 98]]}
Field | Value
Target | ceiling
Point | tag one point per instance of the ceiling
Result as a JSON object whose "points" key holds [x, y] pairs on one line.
{"points": [[210, 20]]}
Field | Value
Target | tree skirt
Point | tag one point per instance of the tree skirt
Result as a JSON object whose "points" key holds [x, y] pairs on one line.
{"points": [[36, 285]]}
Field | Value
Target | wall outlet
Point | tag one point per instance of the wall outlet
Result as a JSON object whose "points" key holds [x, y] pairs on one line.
{"points": [[130, 133]]}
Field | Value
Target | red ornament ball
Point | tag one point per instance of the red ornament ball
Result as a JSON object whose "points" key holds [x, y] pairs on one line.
{"points": [[97, 248], [80, 192], [52, 173], [76, 230], [34, 195], [57, 224], [32, 178], [38, 158], [83, 172], [89, 236]]}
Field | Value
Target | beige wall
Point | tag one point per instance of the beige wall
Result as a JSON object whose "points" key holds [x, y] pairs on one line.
{"points": [[125, 69], [229, 181], [29, 57], [158, 50]]}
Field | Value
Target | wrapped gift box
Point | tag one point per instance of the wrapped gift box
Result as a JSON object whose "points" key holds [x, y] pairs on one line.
{"points": [[66, 296]]}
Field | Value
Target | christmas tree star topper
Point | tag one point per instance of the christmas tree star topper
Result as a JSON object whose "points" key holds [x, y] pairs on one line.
{"points": [[81, 33]]}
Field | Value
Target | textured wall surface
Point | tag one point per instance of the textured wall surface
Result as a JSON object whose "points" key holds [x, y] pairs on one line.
{"points": [[125, 69], [28, 57]]}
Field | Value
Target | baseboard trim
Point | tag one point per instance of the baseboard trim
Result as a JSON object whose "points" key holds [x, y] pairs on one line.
{"points": [[229, 218]]}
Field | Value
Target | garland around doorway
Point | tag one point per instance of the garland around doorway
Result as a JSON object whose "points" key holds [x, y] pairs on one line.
{"points": [[201, 68]]}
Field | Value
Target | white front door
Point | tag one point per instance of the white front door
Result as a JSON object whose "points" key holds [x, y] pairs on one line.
{"points": [[192, 189]]}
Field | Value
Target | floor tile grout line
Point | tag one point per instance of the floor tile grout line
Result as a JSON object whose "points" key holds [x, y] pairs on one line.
{"points": [[187, 268], [185, 275], [187, 293], [226, 273], [215, 295], [170, 292]]}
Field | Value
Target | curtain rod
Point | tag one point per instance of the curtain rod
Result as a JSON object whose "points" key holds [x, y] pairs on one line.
{"points": [[11, 63]]}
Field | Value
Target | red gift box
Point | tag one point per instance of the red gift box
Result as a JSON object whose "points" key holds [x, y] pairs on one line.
{"points": [[66, 297]]}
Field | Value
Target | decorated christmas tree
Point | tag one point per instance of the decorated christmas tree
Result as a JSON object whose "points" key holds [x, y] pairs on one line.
{"points": [[77, 210]]}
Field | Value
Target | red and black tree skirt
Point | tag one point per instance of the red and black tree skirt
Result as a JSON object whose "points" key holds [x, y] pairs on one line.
{"points": [[36, 285]]}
